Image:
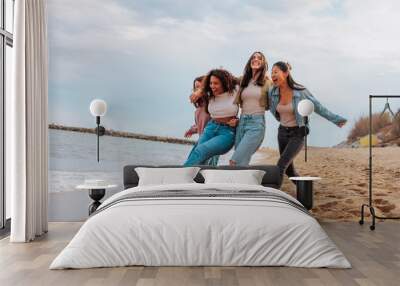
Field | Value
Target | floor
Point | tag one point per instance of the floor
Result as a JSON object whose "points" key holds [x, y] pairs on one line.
{"points": [[375, 256]]}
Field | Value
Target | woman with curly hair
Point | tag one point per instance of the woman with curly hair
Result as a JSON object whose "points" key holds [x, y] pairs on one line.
{"points": [[253, 100], [219, 90]]}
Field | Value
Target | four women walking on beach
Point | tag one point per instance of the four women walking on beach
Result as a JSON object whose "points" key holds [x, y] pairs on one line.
{"points": [[255, 94]]}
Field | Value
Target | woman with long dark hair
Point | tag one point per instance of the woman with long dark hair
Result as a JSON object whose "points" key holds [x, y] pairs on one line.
{"points": [[219, 90], [284, 98], [253, 100]]}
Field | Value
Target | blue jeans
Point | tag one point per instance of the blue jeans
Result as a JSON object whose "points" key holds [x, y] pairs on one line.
{"points": [[217, 139], [213, 161], [249, 136]]}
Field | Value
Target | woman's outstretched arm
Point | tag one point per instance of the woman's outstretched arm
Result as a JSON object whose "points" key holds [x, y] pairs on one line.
{"points": [[323, 111]]}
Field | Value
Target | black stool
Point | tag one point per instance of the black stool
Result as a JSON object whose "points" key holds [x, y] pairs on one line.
{"points": [[304, 190]]}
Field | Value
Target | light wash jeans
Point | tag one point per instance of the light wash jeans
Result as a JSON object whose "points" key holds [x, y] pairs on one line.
{"points": [[217, 139], [249, 136]]}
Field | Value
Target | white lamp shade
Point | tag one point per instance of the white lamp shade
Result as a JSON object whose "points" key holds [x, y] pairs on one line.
{"points": [[305, 107], [98, 107]]}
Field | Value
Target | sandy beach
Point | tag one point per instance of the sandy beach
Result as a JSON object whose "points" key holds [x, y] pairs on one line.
{"points": [[344, 184]]}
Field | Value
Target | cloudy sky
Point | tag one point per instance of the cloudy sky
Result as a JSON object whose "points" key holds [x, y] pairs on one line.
{"points": [[141, 57]]}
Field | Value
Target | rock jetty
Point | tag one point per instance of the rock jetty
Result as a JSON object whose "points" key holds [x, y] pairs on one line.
{"points": [[123, 134]]}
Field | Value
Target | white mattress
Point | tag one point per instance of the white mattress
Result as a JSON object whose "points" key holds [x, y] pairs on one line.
{"points": [[200, 231]]}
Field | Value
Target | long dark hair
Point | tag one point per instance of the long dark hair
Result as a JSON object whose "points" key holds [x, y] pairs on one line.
{"points": [[286, 67], [228, 82], [248, 73]]}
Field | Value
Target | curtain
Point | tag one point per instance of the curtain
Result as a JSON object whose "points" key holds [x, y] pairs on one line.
{"points": [[27, 123]]}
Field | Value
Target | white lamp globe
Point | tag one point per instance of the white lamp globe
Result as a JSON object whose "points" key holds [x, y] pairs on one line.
{"points": [[98, 107], [305, 107]]}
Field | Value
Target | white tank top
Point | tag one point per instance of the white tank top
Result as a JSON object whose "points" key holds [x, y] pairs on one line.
{"points": [[251, 96], [286, 114]]}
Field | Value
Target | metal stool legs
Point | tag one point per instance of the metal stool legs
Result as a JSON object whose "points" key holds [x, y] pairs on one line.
{"points": [[372, 211]]}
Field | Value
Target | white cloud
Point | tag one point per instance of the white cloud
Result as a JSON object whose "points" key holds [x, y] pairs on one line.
{"points": [[362, 30], [342, 50]]}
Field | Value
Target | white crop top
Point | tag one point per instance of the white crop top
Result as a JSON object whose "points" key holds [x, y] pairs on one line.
{"points": [[223, 105]]}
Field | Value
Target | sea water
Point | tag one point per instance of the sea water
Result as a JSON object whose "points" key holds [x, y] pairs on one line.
{"points": [[73, 157]]}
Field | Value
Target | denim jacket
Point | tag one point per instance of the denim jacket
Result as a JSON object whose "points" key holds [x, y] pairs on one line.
{"points": [[298, 95]]}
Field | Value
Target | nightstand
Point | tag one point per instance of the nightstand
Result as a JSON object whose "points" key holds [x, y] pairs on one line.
{"points": [[96, 193], [304, 190]]}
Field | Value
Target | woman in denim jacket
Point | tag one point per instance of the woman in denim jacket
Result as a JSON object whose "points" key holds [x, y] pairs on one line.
{"points": [[284, 98]]}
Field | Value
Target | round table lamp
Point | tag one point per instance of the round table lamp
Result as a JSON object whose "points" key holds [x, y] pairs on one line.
{"points": [[98, 108], [305, 108]]}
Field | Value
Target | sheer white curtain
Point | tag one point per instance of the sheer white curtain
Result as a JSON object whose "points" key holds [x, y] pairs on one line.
{"points": [[27, 124]]}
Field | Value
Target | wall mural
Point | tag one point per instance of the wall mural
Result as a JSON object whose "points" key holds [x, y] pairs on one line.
{"points": [[147, 62]]}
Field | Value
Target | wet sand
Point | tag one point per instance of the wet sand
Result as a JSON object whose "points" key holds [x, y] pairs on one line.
{"points": [[344, 185]]}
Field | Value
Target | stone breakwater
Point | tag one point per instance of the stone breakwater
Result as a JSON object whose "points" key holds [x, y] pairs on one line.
{"points": [[123, 134]]}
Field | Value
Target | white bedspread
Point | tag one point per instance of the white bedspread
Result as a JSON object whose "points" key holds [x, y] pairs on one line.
{"points": [[200, 231]]}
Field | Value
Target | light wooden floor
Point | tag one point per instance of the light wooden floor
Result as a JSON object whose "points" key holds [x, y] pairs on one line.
{"points": [[375, 257]]}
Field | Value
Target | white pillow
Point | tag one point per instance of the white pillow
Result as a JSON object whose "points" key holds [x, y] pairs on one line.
{"points": [[249, 177], [165, 176]]}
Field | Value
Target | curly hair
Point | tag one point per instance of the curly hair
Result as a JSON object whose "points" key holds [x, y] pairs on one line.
{"points": [[228, 82]]}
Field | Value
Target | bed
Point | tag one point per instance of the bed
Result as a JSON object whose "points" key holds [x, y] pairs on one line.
{"points": [[197, 224]]}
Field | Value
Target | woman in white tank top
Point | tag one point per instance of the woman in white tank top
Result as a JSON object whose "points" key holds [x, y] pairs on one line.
{"points": [[219, 89], [253, 100]]}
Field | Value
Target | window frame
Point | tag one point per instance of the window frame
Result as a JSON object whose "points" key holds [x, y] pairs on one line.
{"points": [[6, 39]]}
